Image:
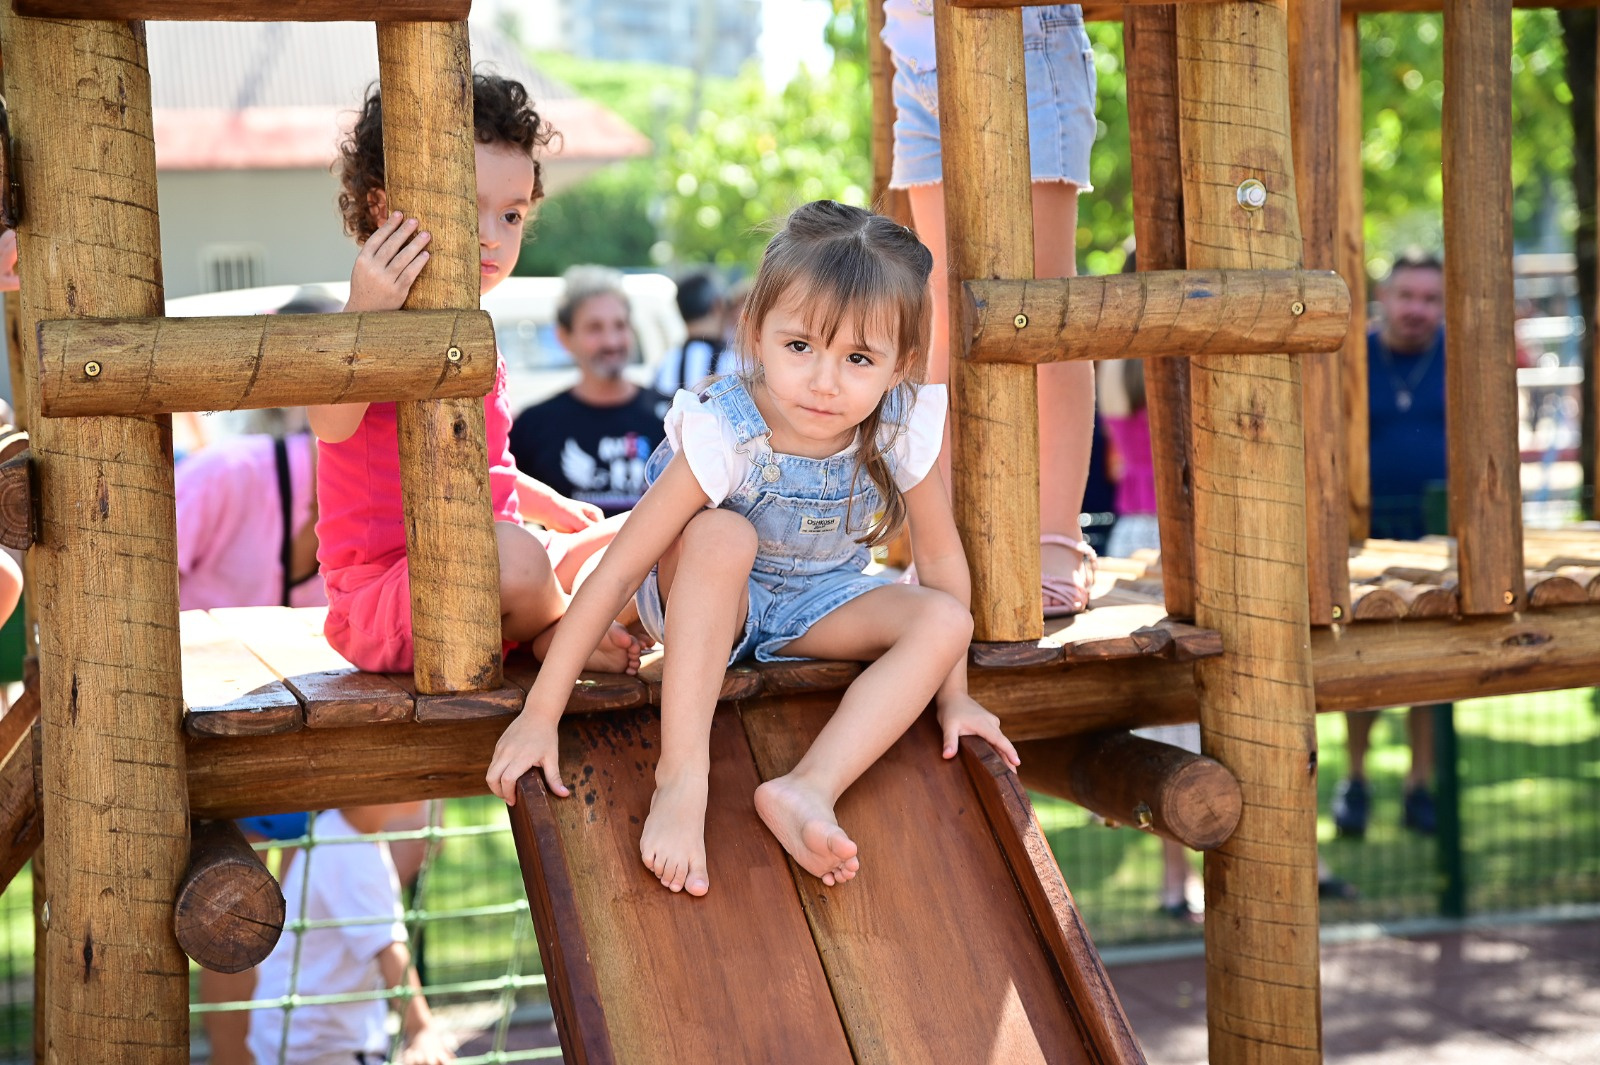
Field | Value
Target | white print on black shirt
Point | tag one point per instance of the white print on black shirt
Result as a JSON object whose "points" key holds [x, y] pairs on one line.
{"points": [[618, 471]]}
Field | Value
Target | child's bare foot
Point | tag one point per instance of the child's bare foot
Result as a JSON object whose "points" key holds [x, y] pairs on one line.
{"points": [[673, 844], [618, 652], [804, 823]]}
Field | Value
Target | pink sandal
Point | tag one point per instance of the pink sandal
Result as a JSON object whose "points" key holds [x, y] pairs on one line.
{"points": [[1065, 596]]}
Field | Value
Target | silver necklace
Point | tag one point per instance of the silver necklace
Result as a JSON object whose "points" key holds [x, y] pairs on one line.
{"points": [[1404, 386]]}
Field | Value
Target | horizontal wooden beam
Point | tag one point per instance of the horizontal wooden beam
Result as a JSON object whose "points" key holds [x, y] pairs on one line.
{"points": [[230, 911], [133, 366], [19, 518], [1356, 667], [250, 10], [1185, 797], [1155, 313], [1111, 10]]}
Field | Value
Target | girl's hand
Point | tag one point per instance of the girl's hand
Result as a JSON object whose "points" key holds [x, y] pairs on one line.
{"points": [[530, 741], [960, 715], [543, 504], [389, 262]]}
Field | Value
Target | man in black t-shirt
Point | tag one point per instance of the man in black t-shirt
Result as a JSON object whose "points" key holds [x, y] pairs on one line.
{"points": [[590, 443]]}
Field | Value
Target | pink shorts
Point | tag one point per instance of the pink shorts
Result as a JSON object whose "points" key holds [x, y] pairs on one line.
{"points": [[369, 610]]}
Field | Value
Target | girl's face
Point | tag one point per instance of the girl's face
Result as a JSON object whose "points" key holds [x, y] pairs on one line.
{"points": [[817, 393], [505, 199]]}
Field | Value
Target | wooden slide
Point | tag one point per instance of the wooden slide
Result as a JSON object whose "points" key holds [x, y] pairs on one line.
{"points": [[958, 943]]}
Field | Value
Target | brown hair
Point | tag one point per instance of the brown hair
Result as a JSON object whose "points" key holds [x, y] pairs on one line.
{"points": [[501, 114], [848, 263]]}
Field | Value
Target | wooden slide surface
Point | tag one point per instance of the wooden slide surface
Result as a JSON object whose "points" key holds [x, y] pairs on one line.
{"points": [[958, 942]]}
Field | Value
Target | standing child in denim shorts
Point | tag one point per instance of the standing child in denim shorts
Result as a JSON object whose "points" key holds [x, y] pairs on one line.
{"points": [[1059, 69], [751, 539]]}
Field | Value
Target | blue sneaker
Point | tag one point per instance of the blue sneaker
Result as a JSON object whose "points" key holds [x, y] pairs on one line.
{"points": [[1419, 814], [1352, 801]]}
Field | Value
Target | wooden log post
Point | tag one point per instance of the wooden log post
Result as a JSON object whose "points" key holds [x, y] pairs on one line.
{"points": [[1352, 264], [249, 10], [995, 409], [1263, 997], [1187, 798], [1151, 45], [430, 173], [1479, 309], [1314, 117], [230, 910], [104, 569]]}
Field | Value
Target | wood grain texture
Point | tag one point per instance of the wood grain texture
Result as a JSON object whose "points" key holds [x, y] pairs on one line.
{"points": [[914, 977], [1151, 50], [229, 911], [1352, 265], [1184, 797], [19, 516], [1115, 10], [988, 224], [165, 365], [1154, 314], [227, 690], [1016, 827], [731, 976], [430, 174], [103, 567], [250, 10], [1373, 603], [1314, 117], [1479, 311], [21, 820], [1263, 994]]}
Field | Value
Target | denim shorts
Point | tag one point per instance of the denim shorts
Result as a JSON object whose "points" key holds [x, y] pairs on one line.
{"points": [[783, 607], [1060, 73]]}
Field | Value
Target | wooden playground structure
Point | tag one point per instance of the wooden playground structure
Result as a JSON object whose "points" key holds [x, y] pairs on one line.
{"points": [[962, 942]]}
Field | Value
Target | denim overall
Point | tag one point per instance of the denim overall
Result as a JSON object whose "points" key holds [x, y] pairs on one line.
{"points": [[808, 562]]}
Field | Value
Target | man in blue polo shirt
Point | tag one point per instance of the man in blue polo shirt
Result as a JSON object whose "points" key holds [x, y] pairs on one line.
{"points": [[1407, 458]]}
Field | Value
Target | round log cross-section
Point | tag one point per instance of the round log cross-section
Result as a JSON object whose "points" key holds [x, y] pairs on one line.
{"points": [[230, 910]]}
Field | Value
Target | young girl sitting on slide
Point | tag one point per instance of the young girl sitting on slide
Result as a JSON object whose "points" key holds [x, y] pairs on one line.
{"points": [[752, 537], [361, 529]]}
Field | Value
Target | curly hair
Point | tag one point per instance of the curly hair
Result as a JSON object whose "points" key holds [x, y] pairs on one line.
{"points": [[501, 114]]}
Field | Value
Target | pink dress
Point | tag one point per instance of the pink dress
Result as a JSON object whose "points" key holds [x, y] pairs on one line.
{"points": [[361, 531], [230, 524]]}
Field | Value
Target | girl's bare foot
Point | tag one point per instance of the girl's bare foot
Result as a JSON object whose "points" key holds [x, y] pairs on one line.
{"points": [[803, 821], [673, 844], [618, 652]]}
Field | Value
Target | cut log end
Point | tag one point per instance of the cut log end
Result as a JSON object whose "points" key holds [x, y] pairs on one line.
{"points": [[230, 910]]}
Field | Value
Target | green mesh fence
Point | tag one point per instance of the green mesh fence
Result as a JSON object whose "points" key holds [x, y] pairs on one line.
{"points": [[1528, 800]]}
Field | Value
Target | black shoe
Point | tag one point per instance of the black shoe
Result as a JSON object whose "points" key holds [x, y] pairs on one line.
{"points": [[1351, 802], [1419, 814]]}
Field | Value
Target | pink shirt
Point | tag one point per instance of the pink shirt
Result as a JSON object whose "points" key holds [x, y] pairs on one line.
{"points": [[230, 524], [1130, 436], [358, 485]]}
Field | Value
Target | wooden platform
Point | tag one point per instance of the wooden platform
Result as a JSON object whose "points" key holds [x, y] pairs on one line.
{"points": [[959, 941]]}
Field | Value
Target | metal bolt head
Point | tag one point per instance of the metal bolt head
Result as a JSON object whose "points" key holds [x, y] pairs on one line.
{"points": [[454, 354], [91, 369], [1510, 597], [1338, 612], [1297, 308], [1142, 811], [1020, 321], [1252, 194]]}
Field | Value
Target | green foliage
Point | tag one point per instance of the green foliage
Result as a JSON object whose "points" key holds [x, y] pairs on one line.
{"points": [[1105, 215]]}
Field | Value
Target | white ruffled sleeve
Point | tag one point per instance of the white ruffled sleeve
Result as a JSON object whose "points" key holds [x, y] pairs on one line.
{"points": [[917, 448], [698, 433]]}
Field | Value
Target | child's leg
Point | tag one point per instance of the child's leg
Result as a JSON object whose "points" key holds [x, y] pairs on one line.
{"points": [[582, 549], [532, 602], [704, 580], [917, 635]]}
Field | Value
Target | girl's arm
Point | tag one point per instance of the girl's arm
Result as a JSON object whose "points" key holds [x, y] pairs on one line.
{"points": [[543, 504], [650, 530], [381, 280], [942, 564]]}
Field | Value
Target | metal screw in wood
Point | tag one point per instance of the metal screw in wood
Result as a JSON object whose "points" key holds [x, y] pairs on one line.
{"points": [[453, 354], [1020, 321], [1142, 811], [1297, 308], [1252, 194], [1511, 597], [1338, 612], [91, 369], [44, 914]]}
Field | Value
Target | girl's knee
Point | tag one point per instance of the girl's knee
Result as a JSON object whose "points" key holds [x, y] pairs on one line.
{"points": [[721, 533], [524, 565], [942, 616]]}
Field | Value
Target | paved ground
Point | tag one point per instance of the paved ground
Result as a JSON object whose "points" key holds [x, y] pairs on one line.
{"points": [[1518, 995]]}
